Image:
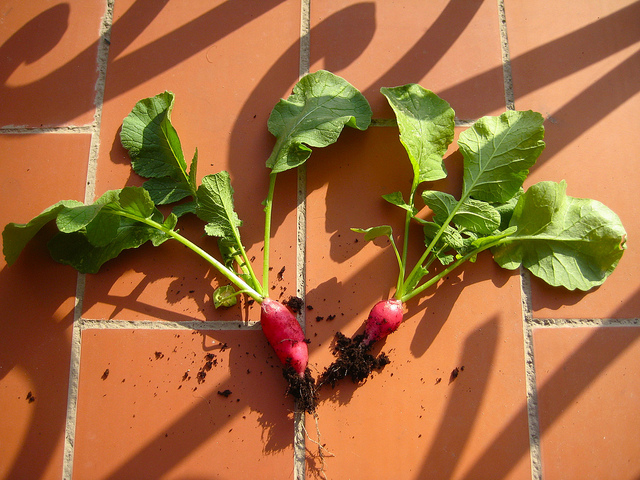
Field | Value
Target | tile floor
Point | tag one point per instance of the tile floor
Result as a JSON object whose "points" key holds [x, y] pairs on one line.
{"points": [[98, 375]]}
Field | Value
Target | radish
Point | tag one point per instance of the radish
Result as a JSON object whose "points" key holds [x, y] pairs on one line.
{"points": [[541, 229], [285, 335], [353, 357], [385, 317]]}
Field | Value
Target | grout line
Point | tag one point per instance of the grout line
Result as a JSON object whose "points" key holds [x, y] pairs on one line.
{"points": [[299, 446], [583, 322], [26, 130], [533, 418], [530, 376], [93, 324], [506, 58], [102, 56]]}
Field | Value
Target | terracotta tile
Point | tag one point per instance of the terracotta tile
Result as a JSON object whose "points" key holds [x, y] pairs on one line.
{"points": [[451, 50], [35, 326], [587, 393], [48, 61], [144, 413], [580, 69], [202, 55], [474, 426]]}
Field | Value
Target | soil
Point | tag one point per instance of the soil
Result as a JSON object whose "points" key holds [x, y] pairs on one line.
{"points": [[295, 304], [303, 389], [353, 360]]}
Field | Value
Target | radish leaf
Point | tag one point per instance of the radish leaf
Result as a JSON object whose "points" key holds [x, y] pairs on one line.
{"points": [[498, 152], [372, 233], [426, 124], [215, 206], [15, 236], [566, 241], [156, 152], [313, 116]]}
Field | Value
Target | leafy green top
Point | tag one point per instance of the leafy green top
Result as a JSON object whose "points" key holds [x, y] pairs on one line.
{"points": [[313, 116]]}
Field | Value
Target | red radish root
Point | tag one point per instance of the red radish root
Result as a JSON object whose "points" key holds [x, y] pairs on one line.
{"points": [[353, 357], [285, 335]]}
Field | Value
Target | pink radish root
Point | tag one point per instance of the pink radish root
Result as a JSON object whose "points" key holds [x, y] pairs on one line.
{"points": [[353, 357], [285, 335]]}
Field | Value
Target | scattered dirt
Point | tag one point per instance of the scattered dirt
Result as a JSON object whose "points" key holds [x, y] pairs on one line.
{"points": [[454, 373], [280, 274], [352, 360], [30, 397], [294, 303], [303, 389]]}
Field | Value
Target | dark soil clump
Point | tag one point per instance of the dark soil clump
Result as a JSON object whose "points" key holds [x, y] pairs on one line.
{"points": [[295, 304], [353, 360], [303, 389]]}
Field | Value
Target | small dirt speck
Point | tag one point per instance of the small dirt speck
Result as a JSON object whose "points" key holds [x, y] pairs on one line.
{"points": [[105, 374], [30, 397], [224, 393]]}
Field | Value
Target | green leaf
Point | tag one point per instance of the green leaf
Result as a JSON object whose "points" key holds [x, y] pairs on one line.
{"points": [[215, 205], [566, 241], [184, 208], [225, 296], [441, 204], [136, 201], [426, 124], [396, 199], [506, 209], [477, 216], [72, 219], [165, 190], [313, 116], [155, 149], [75, 249], [450, 236], [498, 152], [15, 236], [372, 233], [473, 215]]}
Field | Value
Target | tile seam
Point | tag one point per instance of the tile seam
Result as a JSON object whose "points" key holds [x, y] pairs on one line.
{"points": [[509, 96], [583, 322], [102, 55], [114, 324], [533, 419], [299, 445], [531, 391], [61, 129]]}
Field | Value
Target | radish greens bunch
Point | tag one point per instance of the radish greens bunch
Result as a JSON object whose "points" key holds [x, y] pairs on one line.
{"points": [[89, 235], [565, 241]]}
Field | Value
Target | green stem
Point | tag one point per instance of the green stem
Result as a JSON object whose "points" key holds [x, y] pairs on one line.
{"points": [[446, 271], [435, 239], [230, 275], [268, 205], [246, 264]]}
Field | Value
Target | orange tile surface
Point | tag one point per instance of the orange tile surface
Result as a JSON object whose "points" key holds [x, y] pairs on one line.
{"points": [[181, 404], [588, 391], [110, 390], [48, 61], [36, 305], [453, 51], [201, 55], [587, 90]]}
